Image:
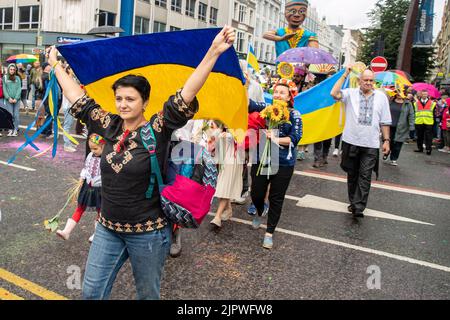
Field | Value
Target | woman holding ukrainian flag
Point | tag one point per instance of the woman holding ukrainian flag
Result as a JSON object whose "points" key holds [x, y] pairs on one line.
{"points": [[132, 225]]}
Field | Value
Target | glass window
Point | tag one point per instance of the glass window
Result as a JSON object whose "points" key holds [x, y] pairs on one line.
{"points": [[29, 17], [176, 6], [213, 16], [190, 8], [159, 27], [161, 3], [172, 28], [6, 18], [202, 9], [106, 18], [240, 42], [242, 13], [141, 25]]}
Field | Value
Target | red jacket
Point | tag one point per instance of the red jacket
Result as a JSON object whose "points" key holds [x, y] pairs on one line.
{"points": [[445, 118]]}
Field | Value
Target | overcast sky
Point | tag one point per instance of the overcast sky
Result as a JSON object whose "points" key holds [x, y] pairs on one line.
{"points": [[353, 14]]}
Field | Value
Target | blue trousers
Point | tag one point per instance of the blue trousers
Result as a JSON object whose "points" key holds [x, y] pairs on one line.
{"points": [[109, 251]]}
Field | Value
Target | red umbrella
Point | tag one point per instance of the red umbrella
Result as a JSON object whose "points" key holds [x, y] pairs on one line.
{"points": [[432, 90]]}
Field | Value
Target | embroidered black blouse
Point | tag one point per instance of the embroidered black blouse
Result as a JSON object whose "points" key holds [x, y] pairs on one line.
{"points": [[126, 174]]}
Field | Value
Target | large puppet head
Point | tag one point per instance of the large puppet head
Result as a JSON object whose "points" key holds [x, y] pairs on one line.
{"points": [[295, 12]]}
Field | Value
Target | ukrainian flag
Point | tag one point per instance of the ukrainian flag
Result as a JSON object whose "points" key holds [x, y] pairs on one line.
{"points": [[323, 117], [166, 60], [251, 59]]}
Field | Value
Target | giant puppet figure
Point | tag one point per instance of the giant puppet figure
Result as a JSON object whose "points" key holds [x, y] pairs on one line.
{"points": [[294, 36]]}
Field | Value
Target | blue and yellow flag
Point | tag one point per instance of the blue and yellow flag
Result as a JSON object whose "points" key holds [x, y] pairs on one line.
{"points": [[323, 117], [251, 59], [167, 60]]}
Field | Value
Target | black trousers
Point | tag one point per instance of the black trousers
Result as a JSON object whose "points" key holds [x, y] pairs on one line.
{"points": [[424, 134], [279, 184], [322, 149], [396, 147], [359, 163]]}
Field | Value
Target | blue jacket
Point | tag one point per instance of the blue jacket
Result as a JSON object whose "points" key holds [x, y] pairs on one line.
{"points": [[294, 130]]}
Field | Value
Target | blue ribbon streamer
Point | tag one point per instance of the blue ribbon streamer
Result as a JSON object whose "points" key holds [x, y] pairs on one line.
{"points": [[52, 89]]}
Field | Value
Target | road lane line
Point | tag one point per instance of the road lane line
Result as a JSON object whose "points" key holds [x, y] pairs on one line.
{"points": [[59, 133], [17, 166], [6, 295], [350, 246], [30, 286], [378, 185], [329, 205]]}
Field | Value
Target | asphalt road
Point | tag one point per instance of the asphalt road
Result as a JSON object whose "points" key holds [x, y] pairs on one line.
{"points": [[317, 254]]}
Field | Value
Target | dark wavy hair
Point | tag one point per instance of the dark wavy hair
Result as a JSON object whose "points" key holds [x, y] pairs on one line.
{"points": [[139, 83]]}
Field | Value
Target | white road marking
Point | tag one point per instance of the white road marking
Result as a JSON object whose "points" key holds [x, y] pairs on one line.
{"points": [[325, 204], [377, 185], [350, 246], [59, 133], [17, 166]]}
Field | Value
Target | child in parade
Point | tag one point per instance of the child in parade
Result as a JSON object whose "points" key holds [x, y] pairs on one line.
{"points": [[90, 193]]}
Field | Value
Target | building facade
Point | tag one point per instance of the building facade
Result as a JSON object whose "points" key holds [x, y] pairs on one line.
{"points": [[331, 38], [64, 21], [443, 48], [351, 43], [269, 16]]}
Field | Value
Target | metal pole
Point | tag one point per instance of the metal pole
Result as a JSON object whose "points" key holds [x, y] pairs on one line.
{"points": [[405, 50], [38, 38]]}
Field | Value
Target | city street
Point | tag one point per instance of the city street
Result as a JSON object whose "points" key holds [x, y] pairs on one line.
{"points": [[400, 250]]}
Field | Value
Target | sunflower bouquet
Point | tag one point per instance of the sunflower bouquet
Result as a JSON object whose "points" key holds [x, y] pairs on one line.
{"points": [[276, 115]]}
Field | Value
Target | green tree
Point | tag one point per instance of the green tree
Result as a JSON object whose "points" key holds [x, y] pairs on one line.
{"points": [[384, 36]]}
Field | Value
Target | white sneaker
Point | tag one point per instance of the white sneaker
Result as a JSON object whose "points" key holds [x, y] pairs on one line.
{"points": [[9, 133], [394, 163], [14, 134], [336, 153], [91, 238], [69, 149]]}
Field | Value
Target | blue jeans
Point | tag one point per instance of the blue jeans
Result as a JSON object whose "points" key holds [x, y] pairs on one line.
{"points": [[67, 125], [110, 250], [14, 109]]}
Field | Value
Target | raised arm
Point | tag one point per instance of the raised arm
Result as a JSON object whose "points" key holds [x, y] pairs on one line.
{"points": [[223, 41], [69, 86], [336, 91], [272, 36]]}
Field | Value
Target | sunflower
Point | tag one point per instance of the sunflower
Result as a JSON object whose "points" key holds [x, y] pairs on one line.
{"points": [[286, 70], [277, 113]]}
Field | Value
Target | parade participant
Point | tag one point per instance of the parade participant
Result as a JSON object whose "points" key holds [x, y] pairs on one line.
{"points": [[229, 181], [21, 72], [299, 78], [12, 89], [402, 113], [294, 36], [446, 127], [132, 224], [35, 82], [367, 111], [424, 114], [321, 152], [289, 137], [90, 192], [68, 119]]}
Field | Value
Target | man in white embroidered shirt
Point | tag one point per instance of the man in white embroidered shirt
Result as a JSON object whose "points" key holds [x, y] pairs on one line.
{"points": [[367, 113]]}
